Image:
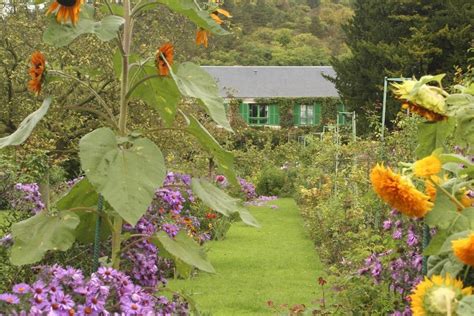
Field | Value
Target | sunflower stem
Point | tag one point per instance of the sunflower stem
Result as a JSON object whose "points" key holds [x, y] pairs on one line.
{"points": [[449, 195], [125, 45], [127, 32]]}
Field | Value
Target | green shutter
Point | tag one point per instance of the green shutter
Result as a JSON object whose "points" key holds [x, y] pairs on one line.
{"points": [[277, 114], [342, 117], [244, 111], [297, 114], [317, 114], [273, 115]]}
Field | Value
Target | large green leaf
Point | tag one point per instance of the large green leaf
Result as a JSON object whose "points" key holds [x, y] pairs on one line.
{"points": [[432, 136], [436, 243], [199, 17], [466, 306], [444, 214], [57, 34], [183, 248], [224, 158], [160, 93], [38, 234], [441, 265], [127, 175], [83, 194], [220, 201], [26, 126], [195, 82]]}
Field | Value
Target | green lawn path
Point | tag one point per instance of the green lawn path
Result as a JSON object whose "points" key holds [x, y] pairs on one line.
{"points": [[276, 262]]}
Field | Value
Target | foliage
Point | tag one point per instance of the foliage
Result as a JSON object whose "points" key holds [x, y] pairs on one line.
{"points": [[393, 40], [275, 181], [295, 32], [447, 180]]}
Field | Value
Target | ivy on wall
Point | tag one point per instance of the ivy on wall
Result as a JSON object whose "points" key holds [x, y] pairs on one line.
{"points": [[329, 108]]}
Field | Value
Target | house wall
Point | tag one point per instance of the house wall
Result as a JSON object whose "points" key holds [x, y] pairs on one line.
{"points": [[285, 112]]}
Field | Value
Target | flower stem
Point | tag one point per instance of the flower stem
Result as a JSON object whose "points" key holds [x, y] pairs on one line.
{"points": [[116, 241], [125, 45], [449, 195]]}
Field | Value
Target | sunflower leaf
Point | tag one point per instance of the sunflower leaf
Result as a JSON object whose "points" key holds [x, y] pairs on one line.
{"points": [[224, 158], [58, 34], [195, 82], [160, 93], [26, 126], [432, 136], [183, 248], [221, 202], [466, 306], [83, 194], [36, 235], [127, 176]]}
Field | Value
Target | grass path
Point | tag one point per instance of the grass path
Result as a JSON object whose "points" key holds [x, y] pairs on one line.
{"points": [[276, 262]]}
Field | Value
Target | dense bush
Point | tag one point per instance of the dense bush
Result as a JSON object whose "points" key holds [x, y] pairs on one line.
{"points": [[276, 181]]}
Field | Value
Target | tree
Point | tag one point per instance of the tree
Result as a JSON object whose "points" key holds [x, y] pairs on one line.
{"points": [[391, 38]]}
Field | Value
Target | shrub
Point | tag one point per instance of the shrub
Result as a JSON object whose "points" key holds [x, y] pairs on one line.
{"points": [[274, 181]]}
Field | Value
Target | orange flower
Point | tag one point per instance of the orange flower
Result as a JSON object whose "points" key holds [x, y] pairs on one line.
{"points": [[201, 37], [464, 249], [66, 10], [37, 69], [426, 167], [426, 113], [215, 15], [467, 201], [166, 51], [399, 192]]}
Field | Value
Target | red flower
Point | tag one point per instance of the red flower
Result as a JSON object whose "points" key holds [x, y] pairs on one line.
{"points": [[211, 215]]}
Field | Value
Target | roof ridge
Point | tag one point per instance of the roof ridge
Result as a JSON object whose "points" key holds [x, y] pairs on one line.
{"points": [[237, 66]]}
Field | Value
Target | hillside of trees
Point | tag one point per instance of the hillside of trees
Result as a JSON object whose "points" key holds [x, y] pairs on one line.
{"points": [[280, 32]]}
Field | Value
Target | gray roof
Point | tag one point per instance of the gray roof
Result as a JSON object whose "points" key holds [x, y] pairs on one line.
{"points": [[273, 81]]}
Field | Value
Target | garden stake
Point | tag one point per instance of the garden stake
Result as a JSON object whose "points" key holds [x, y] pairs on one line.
{"points": [[98, 223], [426, 241]]}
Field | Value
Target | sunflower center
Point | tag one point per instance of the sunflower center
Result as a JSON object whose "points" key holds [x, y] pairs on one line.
{"points": [[442, 300], [67, 3]]}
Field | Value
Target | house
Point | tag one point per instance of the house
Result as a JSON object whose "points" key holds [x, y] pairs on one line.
{"points": [[262, 89]]}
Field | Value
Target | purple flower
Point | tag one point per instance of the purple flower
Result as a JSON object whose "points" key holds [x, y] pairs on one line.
{"points": [[6, 240], [397, 234], [412, 238], [21, 288], [65, 301], [387, 224], [171, 229], [107, 273], [38, 289], [9, 298]]}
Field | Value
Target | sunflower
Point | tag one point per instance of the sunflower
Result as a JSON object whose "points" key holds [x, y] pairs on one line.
{"points": [[202, 37], [437, 296], [66, 10], [421, 111], [422, 99], [37, 70], [166, 51], [215, 15], [399, 192], [426, 167], [464, 249]]}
